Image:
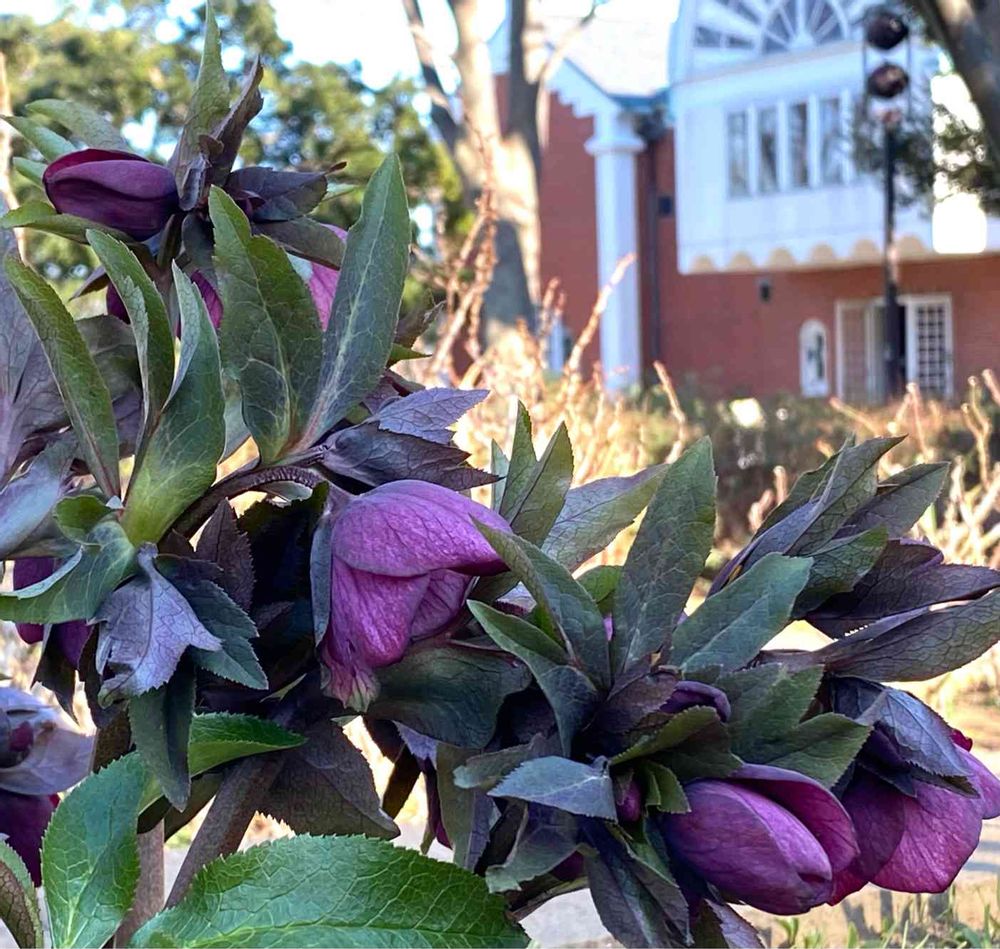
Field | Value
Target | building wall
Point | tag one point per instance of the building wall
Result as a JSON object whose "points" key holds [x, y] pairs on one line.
{"points": [[569, 215], [714, 330]]}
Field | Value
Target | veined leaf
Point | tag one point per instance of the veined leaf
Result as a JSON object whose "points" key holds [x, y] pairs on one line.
{"points": [[18, 902], [79, 586], [178, 465], [90, 855], [85, 123], [666, 558], [270, 334], [359, 337], [84, 392], [731, 627], [565, 603], [154, 340], [568, 785], [51, 144], [333, 891]]}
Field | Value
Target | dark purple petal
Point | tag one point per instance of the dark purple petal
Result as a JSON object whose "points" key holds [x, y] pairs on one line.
{"points": [[811, 803], [27, 572], [877, 813], [213, 302], [409, 528], [116, 189], [688, 693], [629, 803], [23, 819], [986, 784], [940, 831], [750, 847]]}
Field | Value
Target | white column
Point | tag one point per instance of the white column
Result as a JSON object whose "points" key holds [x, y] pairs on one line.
{"points": [[614, 147]]}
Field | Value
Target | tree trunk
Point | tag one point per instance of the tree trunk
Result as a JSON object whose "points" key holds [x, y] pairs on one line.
{"points": [[970, 33]]}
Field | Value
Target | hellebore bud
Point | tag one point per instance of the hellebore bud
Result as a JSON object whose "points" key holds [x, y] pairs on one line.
{"points": [[117, 189], [403, 557], [770, 837]]}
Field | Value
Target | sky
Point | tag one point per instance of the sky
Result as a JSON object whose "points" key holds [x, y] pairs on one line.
{"points": [[373, 32]]}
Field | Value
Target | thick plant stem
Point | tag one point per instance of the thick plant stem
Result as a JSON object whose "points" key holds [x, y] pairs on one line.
{"points": [[149, 891], [228, 818]]}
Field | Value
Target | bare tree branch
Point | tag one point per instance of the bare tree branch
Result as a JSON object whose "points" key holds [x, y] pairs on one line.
{"points": [[561, 48], [441, 114]]}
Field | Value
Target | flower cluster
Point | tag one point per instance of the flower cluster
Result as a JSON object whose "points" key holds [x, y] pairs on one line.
{"points": [[573, 726]]}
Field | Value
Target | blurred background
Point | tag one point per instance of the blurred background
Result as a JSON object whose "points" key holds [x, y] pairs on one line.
{"points": [[768, 221]]}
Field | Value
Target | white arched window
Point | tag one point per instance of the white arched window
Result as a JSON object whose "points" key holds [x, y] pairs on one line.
{"points": [[814, 359]]}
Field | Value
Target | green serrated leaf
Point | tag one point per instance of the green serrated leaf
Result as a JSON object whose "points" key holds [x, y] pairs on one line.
{"points": [[666, 558], [271, 339], [183, 450], [521, 463], [333, 891], [79, 586], [570, 693], [570, 786], [18, 902], [821, 748], [88, 125], [679, 729], [160, 722], [87, 399], [564, 602], [218, 738], [543, 491], [154, 340], [732, 626], [663, 790], [210, 101], [597, 512], [90, 855], [901, 499], [838, 566], [359, 337]]}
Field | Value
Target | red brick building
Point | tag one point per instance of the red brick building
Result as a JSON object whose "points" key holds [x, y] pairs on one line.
{"points": [[714, 149]]}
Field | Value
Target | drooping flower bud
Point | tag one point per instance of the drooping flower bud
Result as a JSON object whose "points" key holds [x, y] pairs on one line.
{"points": [[770, 837], [403, 558], [117, 189]]}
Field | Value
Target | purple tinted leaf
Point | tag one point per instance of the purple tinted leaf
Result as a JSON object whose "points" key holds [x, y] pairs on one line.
{"points": [[369, 454], [325, 787], [284, 195], [146, 627], [838, 566], [58, 759], [719, 926], [917, 645], [571, 786], [223, 543], [908, 576], [229, 132], [26, 501], [546, 838], [428, 413], [901, 499], [466, 813]]}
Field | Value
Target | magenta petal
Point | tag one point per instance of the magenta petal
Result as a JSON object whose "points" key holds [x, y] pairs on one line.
{"points": [[688, 693], [876, 809], [441, 602], [374, 613], [407, 528], [812, 804], [986, 784], [750, 847], [213, 303], [23, 819], [941, 829]]}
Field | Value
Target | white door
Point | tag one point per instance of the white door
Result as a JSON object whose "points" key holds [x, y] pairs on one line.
{"points": [[929, 344]]}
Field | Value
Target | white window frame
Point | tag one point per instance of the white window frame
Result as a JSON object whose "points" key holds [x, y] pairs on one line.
{"points": [[873, 358], [911, 302], [814, 387]]}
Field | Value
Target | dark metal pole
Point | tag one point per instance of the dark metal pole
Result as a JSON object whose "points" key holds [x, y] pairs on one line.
{"points": [[893, 329]]}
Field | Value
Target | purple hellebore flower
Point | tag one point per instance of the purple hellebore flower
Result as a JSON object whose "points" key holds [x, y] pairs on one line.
{"points": [[916, 844], [403, 557], [628, 803], [70, 637], [117, 189], [772, 838]]}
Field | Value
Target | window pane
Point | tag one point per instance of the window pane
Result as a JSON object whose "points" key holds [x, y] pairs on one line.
{"points": [[767, 142], [739, 172], [798, 144], [831, 142]]}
